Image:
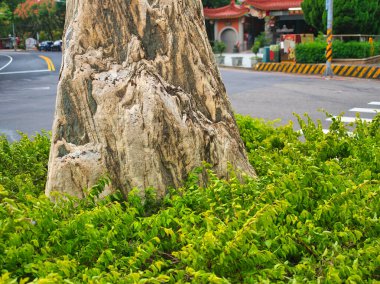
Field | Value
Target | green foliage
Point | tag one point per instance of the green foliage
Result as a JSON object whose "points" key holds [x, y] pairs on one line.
{"points": [[32, 18], [311, 52], [256, 46], [315, 13], [312, 215], [215, 3], [6, 18], [219, 47], [23, 165], [314, 52], [351, 49], [350, 16], [260, 41]]}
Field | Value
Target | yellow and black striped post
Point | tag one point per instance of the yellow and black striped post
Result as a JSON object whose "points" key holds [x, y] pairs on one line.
{"points": [[329, 48], [329, 7]]}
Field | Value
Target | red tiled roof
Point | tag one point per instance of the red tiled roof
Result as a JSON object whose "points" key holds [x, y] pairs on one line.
{"points": [[227, 12], [270, 5]]}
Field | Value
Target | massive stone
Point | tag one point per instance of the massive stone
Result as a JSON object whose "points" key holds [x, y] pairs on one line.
{"points": [[139, 99]]}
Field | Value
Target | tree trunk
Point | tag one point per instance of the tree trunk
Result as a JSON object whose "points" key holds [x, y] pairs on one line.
{"points": [[140, 98]]}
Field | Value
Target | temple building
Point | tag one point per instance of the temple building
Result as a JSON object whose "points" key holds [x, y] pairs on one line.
{"points": [[237, 25]]}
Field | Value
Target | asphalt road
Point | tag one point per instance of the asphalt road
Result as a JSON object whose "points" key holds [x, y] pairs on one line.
{"points": [[279, 95], [28, 92]]}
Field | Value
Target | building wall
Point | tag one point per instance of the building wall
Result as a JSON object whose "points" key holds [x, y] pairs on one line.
{"points": [[225, 23], [230, 24]]}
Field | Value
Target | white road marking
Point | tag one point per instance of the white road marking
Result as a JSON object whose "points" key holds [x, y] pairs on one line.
{"points": [[9, 62], [326, 131], [349, 133], [24, 72], [366, 110], [374, 103], [350, 119]]}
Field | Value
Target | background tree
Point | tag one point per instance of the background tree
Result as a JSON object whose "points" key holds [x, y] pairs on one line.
{"points": [[42, 16], [215, 3], [5, 22], [8, 17], [350, 16]]}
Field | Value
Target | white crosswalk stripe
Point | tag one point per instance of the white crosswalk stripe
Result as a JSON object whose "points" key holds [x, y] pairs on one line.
{"points": [[362, 111], [349, 119], [325, 131], [365, 110]]}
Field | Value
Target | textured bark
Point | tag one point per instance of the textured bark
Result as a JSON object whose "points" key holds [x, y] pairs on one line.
{"points": [[140, 98]]}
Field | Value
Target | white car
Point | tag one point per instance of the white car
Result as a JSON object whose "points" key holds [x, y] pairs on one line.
{"points": [[57, 45]]}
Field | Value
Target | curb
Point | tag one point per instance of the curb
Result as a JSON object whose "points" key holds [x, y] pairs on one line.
{"points": [[357, 71]]}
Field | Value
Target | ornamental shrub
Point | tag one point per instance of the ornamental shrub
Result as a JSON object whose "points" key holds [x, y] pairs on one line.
{"points": [[219, 47], [351, 49], [376, 47], [23, 164], [312, 52], [312, 215], [315, 52]]}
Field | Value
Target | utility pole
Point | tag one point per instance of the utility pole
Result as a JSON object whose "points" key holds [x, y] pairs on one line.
{"points": [[329, 7]]}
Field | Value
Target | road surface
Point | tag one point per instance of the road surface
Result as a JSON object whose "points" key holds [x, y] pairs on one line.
{"points": [[28, 84], [27, 92], [279, 95]]}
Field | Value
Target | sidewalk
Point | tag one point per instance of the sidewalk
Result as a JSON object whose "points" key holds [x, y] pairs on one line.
{"points": [[238, 59], [17, 50]]}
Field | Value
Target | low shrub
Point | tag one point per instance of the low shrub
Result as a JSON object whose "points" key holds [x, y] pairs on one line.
{"points": [[23, 164], [219, 47], [312, 52], [310, 216], [260, 41], [352, 49], [315, 52], [376, 47]]}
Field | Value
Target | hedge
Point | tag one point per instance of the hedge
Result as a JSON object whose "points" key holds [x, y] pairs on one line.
{"points": [[315, 52]]}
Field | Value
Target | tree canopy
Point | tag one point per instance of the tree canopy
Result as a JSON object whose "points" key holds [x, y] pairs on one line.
{"points": [[350, 16], [30, 16], [44, 15], [215, 3]]}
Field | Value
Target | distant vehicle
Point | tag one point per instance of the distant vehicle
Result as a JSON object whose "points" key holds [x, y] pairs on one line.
{"points": [[45, 46], [57, 45]]}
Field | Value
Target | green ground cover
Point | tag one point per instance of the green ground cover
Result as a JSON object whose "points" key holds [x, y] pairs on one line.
{"points": [[312, 216]]}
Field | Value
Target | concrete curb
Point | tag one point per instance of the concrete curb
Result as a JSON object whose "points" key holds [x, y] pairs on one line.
{"points": [[357, 71]]}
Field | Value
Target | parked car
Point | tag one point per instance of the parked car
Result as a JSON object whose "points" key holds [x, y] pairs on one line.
{"points": [[57, 45], [45, 46]]}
